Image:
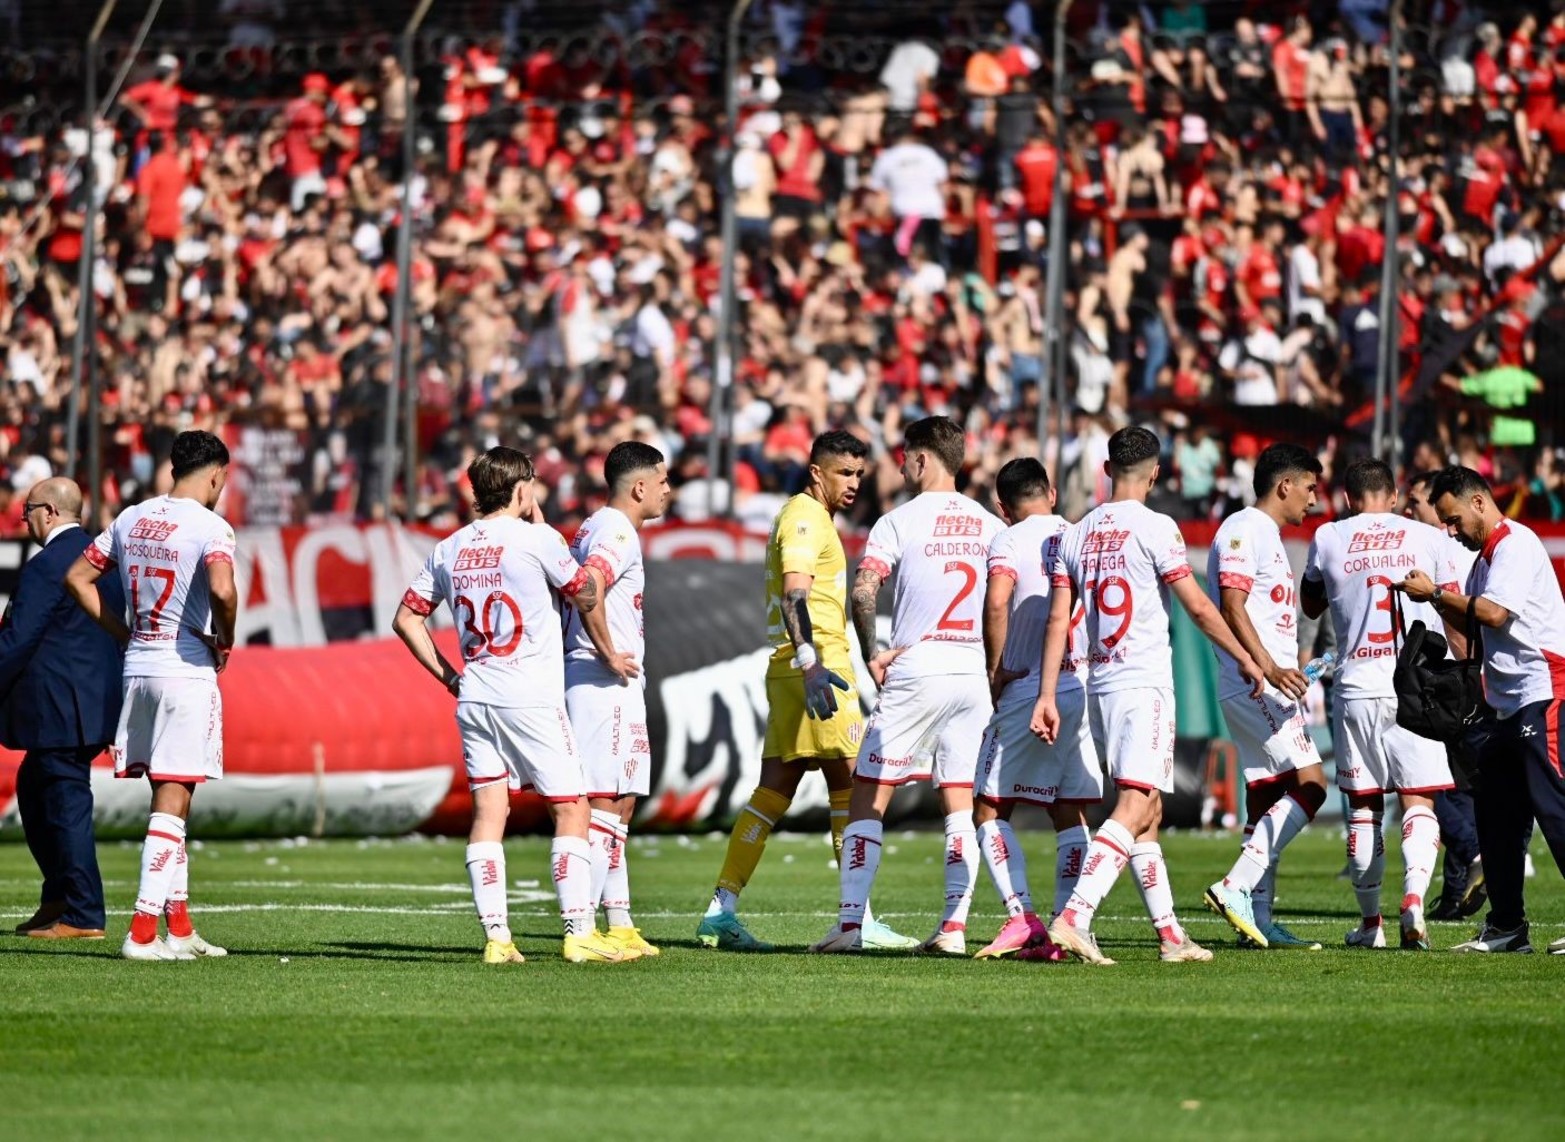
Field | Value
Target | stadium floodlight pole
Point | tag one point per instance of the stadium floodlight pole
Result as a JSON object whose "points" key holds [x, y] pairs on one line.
{"points": [[728, 299], [1053, 363], [1387, 388], [402, 296], [81, 352]]}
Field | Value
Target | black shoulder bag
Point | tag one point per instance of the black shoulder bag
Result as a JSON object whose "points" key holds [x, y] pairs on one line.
{"points": [[1439, 697]]}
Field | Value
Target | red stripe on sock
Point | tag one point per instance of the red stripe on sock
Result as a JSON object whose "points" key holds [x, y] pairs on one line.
{"points": [[1100, 839], [166, 836]]}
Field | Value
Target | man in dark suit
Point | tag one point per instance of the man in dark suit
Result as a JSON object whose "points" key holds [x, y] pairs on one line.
{"points": [[59, 701]]}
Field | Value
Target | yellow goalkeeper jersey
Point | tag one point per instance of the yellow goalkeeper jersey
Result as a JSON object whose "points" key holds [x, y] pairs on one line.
{"points": [[805, 540]]}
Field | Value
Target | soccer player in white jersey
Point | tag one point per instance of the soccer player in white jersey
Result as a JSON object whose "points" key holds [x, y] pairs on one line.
{"points": [[499, 575], [1462, 890], [934, 697], [1251, 580], [1513, 596], [1121, 562], [1353, 567], [604, 684], [1015, 766], [175, 559]]}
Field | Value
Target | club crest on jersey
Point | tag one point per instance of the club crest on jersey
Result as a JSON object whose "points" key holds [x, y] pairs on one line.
{"points": [[957, 525], [157, 530], [477, 558], [1235, 543]]}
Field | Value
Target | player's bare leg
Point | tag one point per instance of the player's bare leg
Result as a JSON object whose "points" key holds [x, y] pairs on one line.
{"points": [[861, 844], [1420, 850], [570, 859], [961, 869], [485, 860], [160, 855], [615, 893], [1366, 867], [1024, 929]]}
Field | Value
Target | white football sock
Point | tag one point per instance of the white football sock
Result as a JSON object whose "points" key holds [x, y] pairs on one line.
{"points": [[1107, 857], [1264, 894], [1146, 861], [1277, 826], [159, 862], [1006, 864], [1366, 859], [860, 861], [616, 889], [601, 828], [179, 886], [1069, 854], [1420, 850], [722, 901], [571, 861], [961, 869], [486, 871]]}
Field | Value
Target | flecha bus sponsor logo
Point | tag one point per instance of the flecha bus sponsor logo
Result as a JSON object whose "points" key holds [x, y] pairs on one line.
{"points": [[478, 558], [1377, 537], [156, 530], [1104, 542], [947, 526]]}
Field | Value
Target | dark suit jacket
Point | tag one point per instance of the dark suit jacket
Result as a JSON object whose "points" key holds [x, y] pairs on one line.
{"points": [[59, 670]]}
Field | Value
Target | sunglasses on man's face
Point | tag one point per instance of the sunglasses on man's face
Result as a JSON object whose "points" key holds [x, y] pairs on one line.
{"points": [[29, 508]]}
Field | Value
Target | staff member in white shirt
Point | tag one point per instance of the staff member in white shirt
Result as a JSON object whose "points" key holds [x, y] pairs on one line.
{"points": [[1521, 765]]}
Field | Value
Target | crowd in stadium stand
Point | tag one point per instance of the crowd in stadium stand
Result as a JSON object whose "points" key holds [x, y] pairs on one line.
{"points": [[1226, 181]]}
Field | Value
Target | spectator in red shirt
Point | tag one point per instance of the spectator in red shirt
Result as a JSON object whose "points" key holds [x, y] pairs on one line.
{"points": [[305, 139], [1486, 180], [158, 189], [1291, 63], [800, 161], [156, 102], [1036, 166]]}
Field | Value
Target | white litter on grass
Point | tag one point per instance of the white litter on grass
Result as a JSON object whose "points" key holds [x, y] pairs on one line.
{"points": [[282, 959]]}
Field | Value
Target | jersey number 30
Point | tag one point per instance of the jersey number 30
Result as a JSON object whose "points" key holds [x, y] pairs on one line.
{"points": [[479, 632]]}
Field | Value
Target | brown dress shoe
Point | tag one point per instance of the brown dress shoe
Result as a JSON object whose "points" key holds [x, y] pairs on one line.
{"points": [[60, 930], [47, 914]]}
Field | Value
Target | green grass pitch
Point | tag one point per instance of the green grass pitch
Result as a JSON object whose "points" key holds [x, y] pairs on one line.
{"points": [[354, 1006]]}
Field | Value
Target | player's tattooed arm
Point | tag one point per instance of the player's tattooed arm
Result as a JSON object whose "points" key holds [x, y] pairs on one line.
{"points": [[866, 586], [588, 596], [796, 609]]}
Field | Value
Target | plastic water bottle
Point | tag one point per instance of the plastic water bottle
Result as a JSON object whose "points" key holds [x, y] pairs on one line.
{"points": [[1317, 668]]}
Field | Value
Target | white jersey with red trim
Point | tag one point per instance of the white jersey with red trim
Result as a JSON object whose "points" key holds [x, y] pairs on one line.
{"points": [[1359, 560], [1247, 555], [609, 542], [1122, 557], [1524, 660], [938, 545], [499, 576], [1023, 553], [163, 548]]}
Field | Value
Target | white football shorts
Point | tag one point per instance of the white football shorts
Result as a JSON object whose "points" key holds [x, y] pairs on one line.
{"points": [[1271, 734], [610, 724], [1017, 765], [171, 729], [1134, 730], [528, 747], [1375, 755], [926, 728]]}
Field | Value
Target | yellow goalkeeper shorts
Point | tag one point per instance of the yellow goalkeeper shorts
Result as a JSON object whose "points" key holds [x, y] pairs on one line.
{"points": [[793, 735]]}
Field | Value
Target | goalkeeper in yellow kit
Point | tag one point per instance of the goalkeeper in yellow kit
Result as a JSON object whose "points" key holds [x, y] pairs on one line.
{"points": [[813, 720]]}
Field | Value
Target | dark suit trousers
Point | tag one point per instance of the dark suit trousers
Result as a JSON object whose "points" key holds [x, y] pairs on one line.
{"points": [[54, 794], [1521, 775]]}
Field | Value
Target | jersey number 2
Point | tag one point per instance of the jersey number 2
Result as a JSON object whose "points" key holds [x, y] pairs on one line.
{"points": [[969, 581]]}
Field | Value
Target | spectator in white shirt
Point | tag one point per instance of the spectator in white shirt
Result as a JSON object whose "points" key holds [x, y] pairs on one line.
{"points": [[910, 70]]}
